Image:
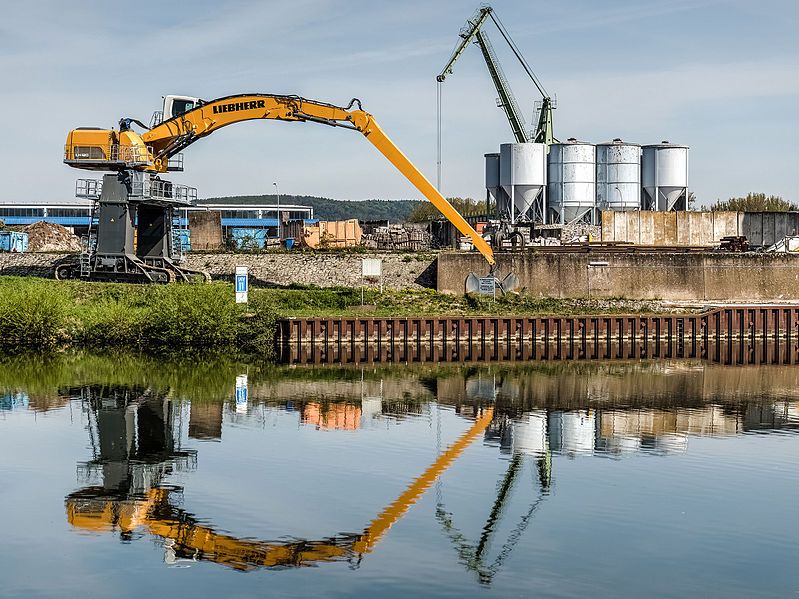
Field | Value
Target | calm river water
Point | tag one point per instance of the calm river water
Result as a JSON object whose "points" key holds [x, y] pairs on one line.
{"points": [[132, 478]]}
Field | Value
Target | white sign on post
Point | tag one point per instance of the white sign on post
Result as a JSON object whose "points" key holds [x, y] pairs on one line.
{"points": [[242, 284], [241, 394], [372, 268], [487, 286]]}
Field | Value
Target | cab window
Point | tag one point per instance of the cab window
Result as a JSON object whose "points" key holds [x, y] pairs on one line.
{"points": [[181, 106]]}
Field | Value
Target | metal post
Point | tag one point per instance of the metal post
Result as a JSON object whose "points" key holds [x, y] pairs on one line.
{"points": [[277, 193]]}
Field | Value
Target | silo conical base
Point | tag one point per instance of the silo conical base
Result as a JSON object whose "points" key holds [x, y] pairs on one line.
{"points": [[665, 199]]}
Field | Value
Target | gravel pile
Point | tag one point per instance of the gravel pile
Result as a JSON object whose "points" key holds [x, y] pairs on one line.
{"points": [[49, 237]]}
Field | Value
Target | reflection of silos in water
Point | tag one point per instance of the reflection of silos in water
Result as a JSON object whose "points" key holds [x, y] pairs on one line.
{"points": [[578, 432], [618, 176], [555, 431], [671, 443], [530, 433], [572, 433], [625, 444], [495, 191], [523, 176], [572, 181], [664, 175]]}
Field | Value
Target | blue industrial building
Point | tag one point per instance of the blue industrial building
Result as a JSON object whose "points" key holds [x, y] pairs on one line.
{"points": [[77, 215]]}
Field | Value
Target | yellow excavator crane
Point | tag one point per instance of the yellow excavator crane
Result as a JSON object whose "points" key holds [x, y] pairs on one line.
{"points": [[139, 158]]}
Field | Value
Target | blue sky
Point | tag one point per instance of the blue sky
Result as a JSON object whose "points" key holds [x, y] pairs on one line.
{"points": [[719, 75]]}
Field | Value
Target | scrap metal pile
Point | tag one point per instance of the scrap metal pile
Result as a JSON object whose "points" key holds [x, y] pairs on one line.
{"points": [[396, 237], [49, 237]]}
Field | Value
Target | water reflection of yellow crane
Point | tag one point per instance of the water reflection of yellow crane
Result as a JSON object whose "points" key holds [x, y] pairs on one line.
{"points": [[97, 508]]}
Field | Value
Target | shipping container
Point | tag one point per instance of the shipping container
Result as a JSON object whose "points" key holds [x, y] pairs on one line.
{"points": [[13, 241], [185, 240], [247, 238]]}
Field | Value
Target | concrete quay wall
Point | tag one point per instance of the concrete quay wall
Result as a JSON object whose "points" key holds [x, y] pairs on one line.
{"points": [[722, 277]]}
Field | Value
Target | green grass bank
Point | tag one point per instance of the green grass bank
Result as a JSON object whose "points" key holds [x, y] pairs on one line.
{"points": [[46, 315]]}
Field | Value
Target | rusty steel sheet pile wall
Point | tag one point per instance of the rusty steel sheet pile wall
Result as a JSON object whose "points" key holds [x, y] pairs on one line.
{"points": [[742, 334], [675, 276]]}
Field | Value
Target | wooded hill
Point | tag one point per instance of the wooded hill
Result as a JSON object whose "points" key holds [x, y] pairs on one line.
{"points": [[328, 209]]}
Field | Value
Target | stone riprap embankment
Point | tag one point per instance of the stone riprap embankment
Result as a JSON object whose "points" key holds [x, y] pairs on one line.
{"points": [[400, 271]]}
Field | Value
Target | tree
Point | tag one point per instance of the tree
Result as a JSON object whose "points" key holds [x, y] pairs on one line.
{"points": [[426, 212], [755, 202]]}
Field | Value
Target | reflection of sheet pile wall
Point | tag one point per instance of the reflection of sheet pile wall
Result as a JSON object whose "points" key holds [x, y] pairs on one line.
{"points": [[661, 384], [205, 420]]}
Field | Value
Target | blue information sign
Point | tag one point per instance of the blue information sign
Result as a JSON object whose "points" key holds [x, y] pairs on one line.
{"points": [[241, 394]]}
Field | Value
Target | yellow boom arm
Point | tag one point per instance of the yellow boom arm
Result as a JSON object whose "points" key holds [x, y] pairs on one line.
{"points": [[172, 136]]}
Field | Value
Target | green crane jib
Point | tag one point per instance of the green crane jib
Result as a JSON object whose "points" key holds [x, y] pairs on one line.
{"points": [[472, 32], [507, 101]]}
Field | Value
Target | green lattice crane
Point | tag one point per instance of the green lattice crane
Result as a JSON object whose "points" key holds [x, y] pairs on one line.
{"points": [[472, 31]]}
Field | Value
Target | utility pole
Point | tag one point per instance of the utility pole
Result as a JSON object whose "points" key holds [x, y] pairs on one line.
{"points": [[277, 193]]}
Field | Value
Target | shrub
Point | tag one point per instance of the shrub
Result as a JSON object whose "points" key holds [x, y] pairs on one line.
{"points": [[257, 328], [112, 323], [33, 316], [202, 317]]}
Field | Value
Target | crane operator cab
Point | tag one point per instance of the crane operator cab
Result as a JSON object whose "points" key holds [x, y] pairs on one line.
{"points": [[174, 106]]}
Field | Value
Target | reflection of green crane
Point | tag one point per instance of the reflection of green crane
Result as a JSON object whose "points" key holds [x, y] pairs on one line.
{"points": [[472, 555], [472, 31]]}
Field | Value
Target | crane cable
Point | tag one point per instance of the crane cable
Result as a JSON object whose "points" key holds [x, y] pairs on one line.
{"points": [[438, 135]]}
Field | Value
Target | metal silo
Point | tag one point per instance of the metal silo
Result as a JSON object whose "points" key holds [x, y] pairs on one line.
{"points": [[664, 175], [523, 176], [618, 176], [495, 191], [572, 181]]}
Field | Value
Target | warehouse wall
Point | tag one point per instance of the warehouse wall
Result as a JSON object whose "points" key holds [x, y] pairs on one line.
{"points": [[667, 275], [762, 229], [205, 229], [670, 228], [767, 228]]}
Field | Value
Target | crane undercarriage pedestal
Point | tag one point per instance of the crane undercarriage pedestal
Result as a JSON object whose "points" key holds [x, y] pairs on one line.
{"points": [[132, 238]]}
